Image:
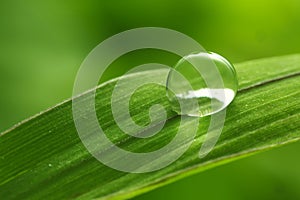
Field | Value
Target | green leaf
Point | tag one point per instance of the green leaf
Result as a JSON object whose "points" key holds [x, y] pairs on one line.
{"points": [[43, 157]]}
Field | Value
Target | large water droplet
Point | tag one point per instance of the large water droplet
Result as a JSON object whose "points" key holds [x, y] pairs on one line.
{"points": [[201, 84]]}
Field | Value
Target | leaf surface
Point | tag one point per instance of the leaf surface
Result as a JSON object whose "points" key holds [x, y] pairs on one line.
{"points": [[43, 157]]}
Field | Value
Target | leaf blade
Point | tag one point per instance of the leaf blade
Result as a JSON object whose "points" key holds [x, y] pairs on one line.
{"points": [[52, 158]]}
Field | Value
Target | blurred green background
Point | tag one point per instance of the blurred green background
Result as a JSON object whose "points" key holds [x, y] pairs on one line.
{"points": [[42, 44]]}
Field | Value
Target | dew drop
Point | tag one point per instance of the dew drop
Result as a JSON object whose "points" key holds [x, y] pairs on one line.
{"points": [[201, 84]]}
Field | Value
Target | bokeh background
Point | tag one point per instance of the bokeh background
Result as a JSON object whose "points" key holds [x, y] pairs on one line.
{"points": [[42, 44]]}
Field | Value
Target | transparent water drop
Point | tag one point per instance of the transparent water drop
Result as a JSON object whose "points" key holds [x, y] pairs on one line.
{"points": [[201, 84]]}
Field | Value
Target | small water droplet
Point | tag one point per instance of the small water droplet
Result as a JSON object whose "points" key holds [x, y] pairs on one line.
{"points": [[201, 84], [50, 165]]}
